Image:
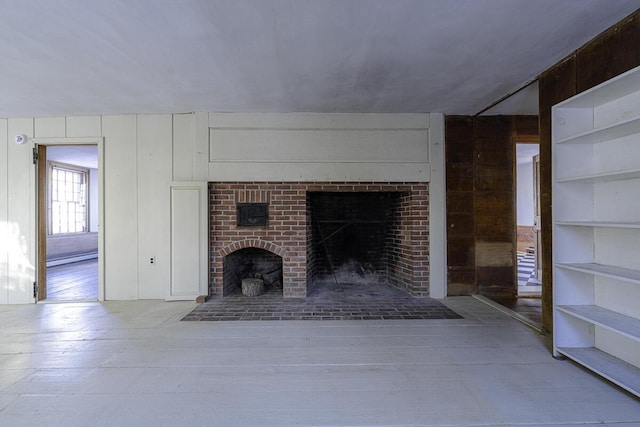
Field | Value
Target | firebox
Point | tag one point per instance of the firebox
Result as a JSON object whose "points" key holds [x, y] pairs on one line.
{"points": [[253, 263], [353, 235]]}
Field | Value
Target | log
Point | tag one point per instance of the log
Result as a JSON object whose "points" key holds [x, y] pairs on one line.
{"points": [[273, 278], [252, 287]]}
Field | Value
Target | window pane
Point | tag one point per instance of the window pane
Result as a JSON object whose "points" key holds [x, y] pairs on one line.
{"points": [[67, 200]]}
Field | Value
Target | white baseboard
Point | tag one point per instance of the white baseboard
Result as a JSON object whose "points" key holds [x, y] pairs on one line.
{"points": [[71, 259]]}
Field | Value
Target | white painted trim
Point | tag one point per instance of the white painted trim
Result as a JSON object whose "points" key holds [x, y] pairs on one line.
{"points": [[201, 148], [182, 297], [99, 143], [203, 243], [69, 141], [437, 209], [320, 121], [331, 162], [72, 259], [318, 172]]}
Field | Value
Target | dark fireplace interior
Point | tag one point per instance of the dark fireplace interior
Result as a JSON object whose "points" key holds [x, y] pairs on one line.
{"points": [[251, 263], [353, 236]]}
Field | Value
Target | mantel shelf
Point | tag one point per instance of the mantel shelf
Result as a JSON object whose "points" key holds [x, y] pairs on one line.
{"points": [[615, 370], [625, 274], [605, 133], [599, 224], [608, 319], [601, 177]]}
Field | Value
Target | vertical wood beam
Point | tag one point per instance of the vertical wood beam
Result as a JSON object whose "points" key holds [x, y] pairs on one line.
{"points": [[41, 232]]}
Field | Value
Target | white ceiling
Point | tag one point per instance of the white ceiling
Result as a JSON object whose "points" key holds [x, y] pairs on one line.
{"points": [[524, 101], [78, 155], [79, 57]]}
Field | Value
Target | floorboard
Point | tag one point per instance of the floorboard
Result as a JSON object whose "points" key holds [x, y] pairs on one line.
{"points": [[77, 281]]}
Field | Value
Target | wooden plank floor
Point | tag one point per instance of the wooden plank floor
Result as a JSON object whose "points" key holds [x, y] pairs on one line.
{"points": [[77, 281], [134, 363]]}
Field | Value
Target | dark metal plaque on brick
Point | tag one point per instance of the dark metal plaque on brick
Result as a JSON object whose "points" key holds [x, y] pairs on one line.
{"points": [[252, 214]]}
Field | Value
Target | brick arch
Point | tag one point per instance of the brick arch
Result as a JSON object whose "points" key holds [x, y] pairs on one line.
{"points": [[253, 243]]}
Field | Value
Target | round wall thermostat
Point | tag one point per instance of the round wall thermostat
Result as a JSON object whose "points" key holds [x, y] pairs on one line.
{"points": [[21, 139]]}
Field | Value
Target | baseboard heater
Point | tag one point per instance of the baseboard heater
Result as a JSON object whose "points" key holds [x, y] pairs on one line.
{"points": [[70, 259]]}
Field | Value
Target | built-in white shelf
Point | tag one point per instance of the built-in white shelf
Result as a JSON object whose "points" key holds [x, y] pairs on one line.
{"points": [[602, 177], [605, 133], [606, 191], [615, 370], [625, 274], [608, 319], [599, 224]]}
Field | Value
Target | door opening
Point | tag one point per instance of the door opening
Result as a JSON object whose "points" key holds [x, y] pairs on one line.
{"points": [[67, 222], [528, 220]]}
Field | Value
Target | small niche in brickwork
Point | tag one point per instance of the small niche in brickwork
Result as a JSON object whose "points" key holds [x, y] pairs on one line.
{"points": [[252, 214]]}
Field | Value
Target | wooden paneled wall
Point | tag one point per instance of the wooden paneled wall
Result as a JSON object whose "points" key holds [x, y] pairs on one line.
{"points": [[320, 147], [461, 267], [481, 243], [611, 53]]}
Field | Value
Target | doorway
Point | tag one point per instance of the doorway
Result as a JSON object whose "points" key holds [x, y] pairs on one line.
{"points": [[68, 218], [529, 270]]}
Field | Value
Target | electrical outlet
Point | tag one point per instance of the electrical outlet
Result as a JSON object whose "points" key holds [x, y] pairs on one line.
{"points": [[152, 260]]}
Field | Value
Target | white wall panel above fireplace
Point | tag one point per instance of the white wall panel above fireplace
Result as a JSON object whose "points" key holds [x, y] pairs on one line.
{"points": [[319, 145], [328, 147]]}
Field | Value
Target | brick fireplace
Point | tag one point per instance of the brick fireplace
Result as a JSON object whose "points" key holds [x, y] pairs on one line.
{"points": [[374, 231]]}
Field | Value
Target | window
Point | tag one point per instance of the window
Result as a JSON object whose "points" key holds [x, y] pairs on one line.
{"points": [[67, 207]]}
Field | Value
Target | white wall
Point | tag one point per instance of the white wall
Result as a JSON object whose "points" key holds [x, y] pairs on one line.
{"points": [[154, 147], [524, 178], [144, 154], [17, 210], [525, 193]]}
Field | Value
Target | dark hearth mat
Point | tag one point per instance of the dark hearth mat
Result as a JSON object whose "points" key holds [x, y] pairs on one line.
{"points": [[348, 302]]}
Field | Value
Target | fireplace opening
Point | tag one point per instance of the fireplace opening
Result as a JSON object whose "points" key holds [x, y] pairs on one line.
{"points": [[356, 237], [252, 263]]}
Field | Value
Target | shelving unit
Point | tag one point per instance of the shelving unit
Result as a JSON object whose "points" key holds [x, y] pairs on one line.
{"points": [[596, 229]]}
